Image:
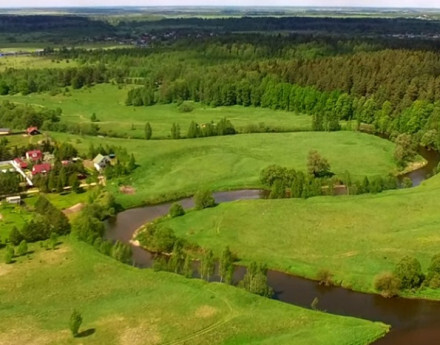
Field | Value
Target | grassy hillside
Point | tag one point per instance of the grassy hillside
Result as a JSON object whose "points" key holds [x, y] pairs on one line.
{"points": [[124, 305], [355, 237], [108, 103], [172, 168]]}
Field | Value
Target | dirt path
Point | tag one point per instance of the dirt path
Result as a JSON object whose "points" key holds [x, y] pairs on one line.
{"points": [[74, 209]]}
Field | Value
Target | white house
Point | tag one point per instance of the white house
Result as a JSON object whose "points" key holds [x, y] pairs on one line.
{"points": [[100, 162]]}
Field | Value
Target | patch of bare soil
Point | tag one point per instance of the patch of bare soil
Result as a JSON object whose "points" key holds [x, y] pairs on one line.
{"points": [[74, 209], [127, 189]]}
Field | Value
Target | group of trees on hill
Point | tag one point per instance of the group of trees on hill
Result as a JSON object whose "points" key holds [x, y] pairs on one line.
{"points": [[48, 222]]}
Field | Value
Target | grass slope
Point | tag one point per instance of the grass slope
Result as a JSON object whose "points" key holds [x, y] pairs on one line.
{"points": [[125, 305], [172, 168], [108, 103], [355, 237]]}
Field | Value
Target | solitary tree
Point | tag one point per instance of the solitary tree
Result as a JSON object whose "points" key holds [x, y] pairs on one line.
{"points": [[176, 210], [226, 267], [148, 131], [22, 248], [317, 165], [75, 322], [203, 199], [207, 265]]}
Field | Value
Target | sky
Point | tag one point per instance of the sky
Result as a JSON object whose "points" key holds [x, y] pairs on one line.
{"points": [[327, 3]]}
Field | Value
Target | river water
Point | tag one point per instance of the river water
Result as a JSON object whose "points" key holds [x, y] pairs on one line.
{"points": [[413, 321]]}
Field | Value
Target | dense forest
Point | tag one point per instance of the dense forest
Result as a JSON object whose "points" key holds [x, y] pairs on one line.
{"points": [[393, 85]]}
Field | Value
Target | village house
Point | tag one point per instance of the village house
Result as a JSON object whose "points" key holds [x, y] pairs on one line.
{"points": [[33, 131], [13, 199], [34, 155], [21, 163], [43, 168], [5, 131], [100, 162]]}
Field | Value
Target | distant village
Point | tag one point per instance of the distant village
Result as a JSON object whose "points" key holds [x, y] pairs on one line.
{"points": [[36, 163]]}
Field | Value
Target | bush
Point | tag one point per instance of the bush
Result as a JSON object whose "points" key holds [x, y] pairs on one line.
{"points": [[75, 322], [325, 277], [409, 271], [22, 248], [186, 107], [9, 255], [387, 284], [176, 210], [203, 199]]}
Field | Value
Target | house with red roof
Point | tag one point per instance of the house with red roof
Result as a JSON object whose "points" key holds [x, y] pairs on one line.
{"points": [[34, 155], [41, 168], [33, 131], [21, 163]]}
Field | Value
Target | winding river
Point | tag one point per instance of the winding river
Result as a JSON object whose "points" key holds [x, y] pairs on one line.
{"points": [[413, 321]]}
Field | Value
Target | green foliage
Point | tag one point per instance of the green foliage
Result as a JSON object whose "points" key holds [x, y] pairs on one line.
{"points": [[325, 277], [226, 266], [409, 271], [9, 254], [175, 131], [75, 322], [176, 210], [387, 284], [15, 237], [122, 252], [148, 131], [255, 281], [207, 265], [317, 165], [278, 190], [157, 239], [22, 248], [203, 199]]}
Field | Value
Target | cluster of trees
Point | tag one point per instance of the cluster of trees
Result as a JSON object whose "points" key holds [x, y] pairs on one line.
{"points": [[88, 226], [408, 275], [283, 182], [222, 127], [9, 183], [60, 176], [48, 223], [20, 116], [27, 81]]}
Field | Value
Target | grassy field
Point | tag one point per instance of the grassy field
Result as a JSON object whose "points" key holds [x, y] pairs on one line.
{"points": [[33, 62], [355, 237], [124, 305], [108, 103], [172, 168], [10, 216]]}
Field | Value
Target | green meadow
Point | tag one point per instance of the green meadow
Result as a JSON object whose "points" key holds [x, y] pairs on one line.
{"points": [[122, 305], [169, 169], [354, 237], [115, 118]]}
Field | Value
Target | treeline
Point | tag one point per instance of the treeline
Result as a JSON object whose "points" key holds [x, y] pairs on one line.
{"points": [[319, 180], [89, 227], [21, 116], [26, 81], [408, 275], [48, 222]]}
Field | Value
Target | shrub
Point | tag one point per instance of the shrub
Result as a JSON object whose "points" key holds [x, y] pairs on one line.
{"points": [[325, 277], [22, 248], [387, 284], [203, 199], [176, 210], [186, 107], [75, 322], [409, 271]]}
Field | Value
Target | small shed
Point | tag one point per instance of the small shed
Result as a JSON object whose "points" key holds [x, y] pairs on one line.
{"points": [[5, 131], [33, 131], [14, 199]]}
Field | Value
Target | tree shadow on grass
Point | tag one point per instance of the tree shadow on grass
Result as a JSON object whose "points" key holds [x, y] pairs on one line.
{"points": [[86, 333]]}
